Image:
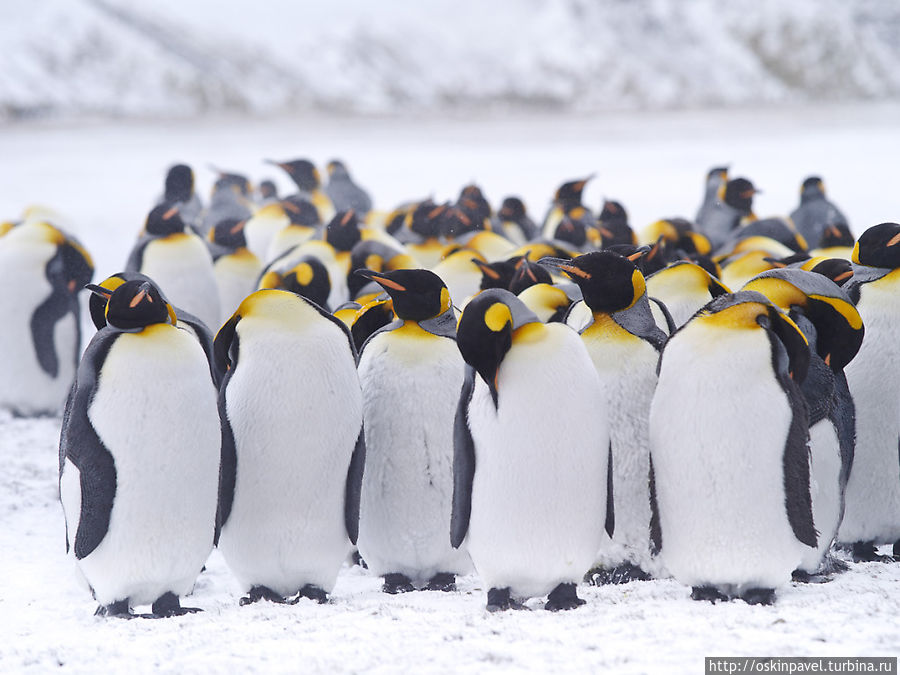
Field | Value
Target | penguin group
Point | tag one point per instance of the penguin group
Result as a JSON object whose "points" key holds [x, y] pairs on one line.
{"points": [[446, 388]]}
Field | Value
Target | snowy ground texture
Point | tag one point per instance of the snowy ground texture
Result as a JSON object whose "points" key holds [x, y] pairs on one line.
{"points": [[103, 179], [165, 57]]}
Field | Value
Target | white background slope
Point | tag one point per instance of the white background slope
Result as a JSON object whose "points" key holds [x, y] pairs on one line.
{"points": [[103, 178]]}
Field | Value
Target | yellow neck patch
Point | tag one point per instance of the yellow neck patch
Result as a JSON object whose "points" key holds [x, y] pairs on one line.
{"points": [[497, 316], [779, 291], [304, 273]]}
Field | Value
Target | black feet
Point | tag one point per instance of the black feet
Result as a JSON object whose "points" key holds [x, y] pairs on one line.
{"points": [[620, 574], [563, 597], [313, 593], [499, 600], [119, 610], [442, 581], [865, 551], [397, 583], [168, 605], [708, 594], [258, 593], [759, 596], [804, 577]]}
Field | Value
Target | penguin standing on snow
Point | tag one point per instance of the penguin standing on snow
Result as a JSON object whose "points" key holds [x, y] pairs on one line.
{"points": [[41, 272], [729, 456], [289, 495], [179, 262], [872, 515], [411, 374], [624, 342], [140, 508], [530, 490], [834, 330]]}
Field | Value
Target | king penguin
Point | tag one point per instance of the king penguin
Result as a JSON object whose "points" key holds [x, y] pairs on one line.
{"points": [[179, 262], [729, 456], [411, 374], [872, 515], [715, 179], [41, 272], [834, 330], [815, 213], [623, 341], [289, 495], [530, 454], [139, 457]]}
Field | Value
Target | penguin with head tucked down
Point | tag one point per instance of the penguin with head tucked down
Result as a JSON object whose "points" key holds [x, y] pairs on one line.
{"points": [[834, 330], [514, 223], [411, 374], [684, 287], [289, 494], [567, 201], [179, 262], [309, 184], [309, 278], [529, 500], [624, 342], [41, 272], [140, 510], [730, 492], [815, 213], [872, 514]]}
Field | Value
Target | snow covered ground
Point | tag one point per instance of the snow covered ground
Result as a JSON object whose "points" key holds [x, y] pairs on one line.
{"points": [[102, 178]]}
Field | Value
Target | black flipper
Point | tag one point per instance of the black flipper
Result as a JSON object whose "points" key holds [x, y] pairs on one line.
{"points": [[655, 529], [136, 257], [353, 487], [610, 501], [80, 444], [225, 350], [43, 324], [667, 315], [204, 337], [463, 464]]}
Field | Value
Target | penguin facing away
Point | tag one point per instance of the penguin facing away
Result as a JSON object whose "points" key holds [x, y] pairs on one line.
{"points": [[289, 493], [411, 374], [730, 484], [41, 272], [530, 490], [140, 511]]}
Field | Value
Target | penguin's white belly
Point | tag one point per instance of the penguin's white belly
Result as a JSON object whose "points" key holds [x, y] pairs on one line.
{"points": [[873, 490], [236, 278], [718, 428], [825, 489], [259, 232], [682, 304], [25, 387], [539, 492], [295, 409], [155, 411], [411, 384], [183, 270], [627, 370]]}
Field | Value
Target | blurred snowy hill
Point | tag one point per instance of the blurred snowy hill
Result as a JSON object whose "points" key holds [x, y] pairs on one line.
{"points": [[175, 58]]}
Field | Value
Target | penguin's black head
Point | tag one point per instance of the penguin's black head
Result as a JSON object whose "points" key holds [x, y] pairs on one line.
{"points": [[608, 281], [706, 262], [837, 234], [425, 219], [179, 184], [301, 211], [568, 195], [512, 209], [230, 233], [71, 268], [100, 294], [613, 213], [309, 278], [417, 294], [164, 220], [134, 305], [343, 231], [455, 222], [528, 274], [497, 274], [377, 256], [836, 269], [739, 194], [267, 190], [879, 246], [485, 332], [811, 188], [336, 169], [369, 318], [303, 172], [571, 231], [473, 203]]}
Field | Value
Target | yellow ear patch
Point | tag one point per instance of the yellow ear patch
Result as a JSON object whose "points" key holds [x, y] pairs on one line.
{"points": [[639, 284], [373, 262], [497, 316], [111, 283], [854, 257], [445, 300], [172, 318], [270, 280], [304, 273]]}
